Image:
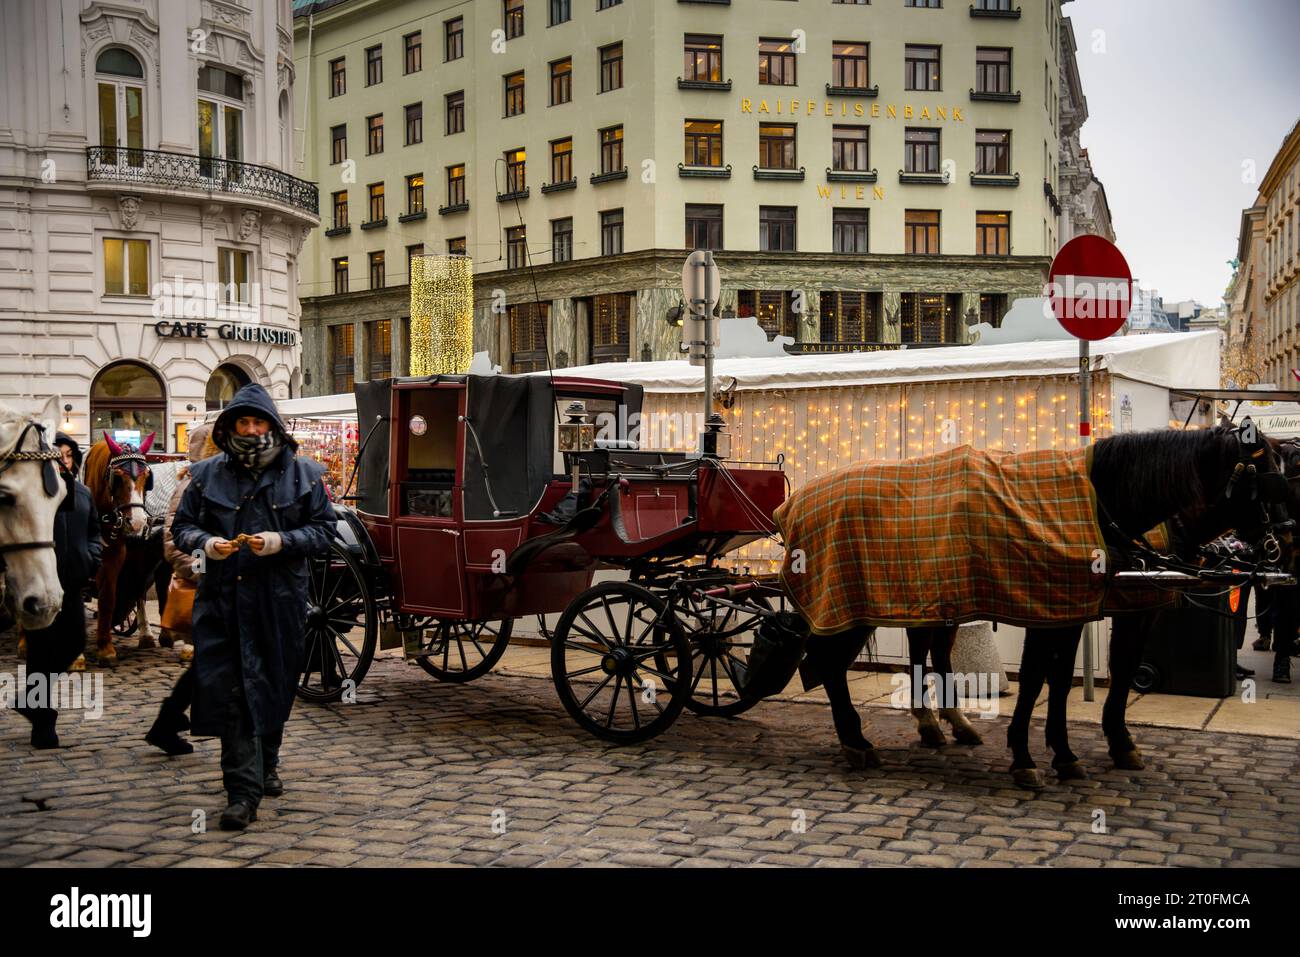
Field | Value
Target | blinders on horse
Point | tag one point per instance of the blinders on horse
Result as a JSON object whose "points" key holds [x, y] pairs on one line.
{"points": [[49, 477], [126, 464]]}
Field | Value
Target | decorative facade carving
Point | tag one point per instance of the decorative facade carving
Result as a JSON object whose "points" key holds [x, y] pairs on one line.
{"points": [[128, 208], [249, 221]]}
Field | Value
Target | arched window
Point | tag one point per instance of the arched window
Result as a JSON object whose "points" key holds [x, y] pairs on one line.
{"points": [[128, 401], [221, 121], [226, 380], [119, 83]]}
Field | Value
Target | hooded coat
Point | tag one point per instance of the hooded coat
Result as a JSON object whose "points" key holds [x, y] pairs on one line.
{"points": [[77, 545], [250, 609], [201, 447]]}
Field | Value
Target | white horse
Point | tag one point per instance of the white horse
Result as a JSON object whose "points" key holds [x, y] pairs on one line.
{"points": [[30, 586]]}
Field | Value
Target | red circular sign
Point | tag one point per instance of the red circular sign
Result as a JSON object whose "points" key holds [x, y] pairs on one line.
{"points": [[1089, 287]]}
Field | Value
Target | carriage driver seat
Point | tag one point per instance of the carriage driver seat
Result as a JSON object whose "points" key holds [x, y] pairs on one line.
{"points": [[572, 553]]}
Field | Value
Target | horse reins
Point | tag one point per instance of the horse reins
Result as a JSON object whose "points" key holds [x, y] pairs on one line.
{"points": [[113, 522], [50, 480]]}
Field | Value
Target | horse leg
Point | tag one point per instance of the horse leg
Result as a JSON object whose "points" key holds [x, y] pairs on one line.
{"points": [[142, 618], [1127, 637], [830, 657], [1033, 671], [1060, 678], [107, 587], [963, 731], [919, 643]]}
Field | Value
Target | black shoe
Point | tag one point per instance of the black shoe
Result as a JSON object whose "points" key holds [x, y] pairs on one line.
{"points": [[1282, 671], [163, 736], [272, 786], [238, 816], [1244, 672]]}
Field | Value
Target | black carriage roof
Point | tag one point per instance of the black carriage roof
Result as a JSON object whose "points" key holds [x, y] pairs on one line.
{"points": [[513, 418]]}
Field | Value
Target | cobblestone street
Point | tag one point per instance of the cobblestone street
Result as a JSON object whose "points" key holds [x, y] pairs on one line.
{"points": [[417, 773]]}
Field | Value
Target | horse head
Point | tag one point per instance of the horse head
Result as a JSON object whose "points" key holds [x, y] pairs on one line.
{"points": [[118, 477], [30, 494]]}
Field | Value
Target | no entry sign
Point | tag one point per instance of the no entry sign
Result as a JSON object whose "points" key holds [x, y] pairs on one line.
{"points": [[1089, 287]]}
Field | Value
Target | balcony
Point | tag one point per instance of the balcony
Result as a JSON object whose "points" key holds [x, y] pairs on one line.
{"points": [[610, 177], [785, 173], [995, 179], [992, 97], [922, 179], [462, 207], [723, 85], [512, 195], [169, 173], [704, 172], [1007, 14], [560, 186], [851, 175], [859, 91]]}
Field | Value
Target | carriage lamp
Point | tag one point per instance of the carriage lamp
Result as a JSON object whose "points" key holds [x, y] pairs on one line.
{"points": [[715, 440], [576, 433]]}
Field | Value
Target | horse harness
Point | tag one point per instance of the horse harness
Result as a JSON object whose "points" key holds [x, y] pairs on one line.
{"points": [[49, 477], [112, 524]]}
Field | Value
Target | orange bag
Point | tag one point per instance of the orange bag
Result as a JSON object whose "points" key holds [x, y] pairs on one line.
{"points": [[178, 614]]}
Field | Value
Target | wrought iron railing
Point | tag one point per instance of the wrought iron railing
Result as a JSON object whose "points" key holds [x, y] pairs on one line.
{"points": [[116, 164]]}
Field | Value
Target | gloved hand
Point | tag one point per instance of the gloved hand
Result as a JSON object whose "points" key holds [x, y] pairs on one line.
{"points": [[266, 543]]}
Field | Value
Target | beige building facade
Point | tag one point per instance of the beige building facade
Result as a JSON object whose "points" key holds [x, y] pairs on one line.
{"points": [[867, 174], [1279, 194]]}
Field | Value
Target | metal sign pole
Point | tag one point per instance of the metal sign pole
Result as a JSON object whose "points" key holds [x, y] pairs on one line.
{"points": [[1085, 437], [705, 312]]}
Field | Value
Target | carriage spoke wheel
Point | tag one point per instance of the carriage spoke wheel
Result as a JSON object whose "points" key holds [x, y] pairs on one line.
{"points": [[342, 626], [622, 668], [461, 651], [721, 639]]}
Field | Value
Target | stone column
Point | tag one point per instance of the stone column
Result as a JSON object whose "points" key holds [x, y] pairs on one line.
{"points": [[582, 332], [360, 352], [969, 301], [892, 304], [401, 347], [809, 327], [561, 332]]}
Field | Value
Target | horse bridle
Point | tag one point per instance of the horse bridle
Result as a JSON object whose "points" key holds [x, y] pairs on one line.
{"points": [[113, 522], [49, 477]]}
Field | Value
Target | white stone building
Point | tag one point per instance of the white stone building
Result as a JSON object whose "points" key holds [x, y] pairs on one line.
{"points": [[149, 222]]}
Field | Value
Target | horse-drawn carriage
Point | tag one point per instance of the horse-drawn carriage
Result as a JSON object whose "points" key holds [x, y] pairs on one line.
{"points": [[486, 499]]}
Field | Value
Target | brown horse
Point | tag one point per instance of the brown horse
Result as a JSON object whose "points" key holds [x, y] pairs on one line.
{"points": [[118, 477]]}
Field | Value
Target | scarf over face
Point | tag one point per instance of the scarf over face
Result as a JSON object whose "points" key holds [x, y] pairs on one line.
{"points": [[255, 452]]}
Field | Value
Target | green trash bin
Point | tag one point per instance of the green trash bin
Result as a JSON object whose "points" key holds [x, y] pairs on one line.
{"points": [[1191, 651]]}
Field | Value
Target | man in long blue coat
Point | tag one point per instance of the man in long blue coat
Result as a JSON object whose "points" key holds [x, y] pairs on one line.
{"points": [[251, 604]]}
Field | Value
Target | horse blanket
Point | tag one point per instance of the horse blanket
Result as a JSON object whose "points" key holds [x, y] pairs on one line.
{"points": [[958, 536]]}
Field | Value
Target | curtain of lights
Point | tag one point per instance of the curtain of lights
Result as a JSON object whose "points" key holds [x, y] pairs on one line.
{"points": [[442, 314]]}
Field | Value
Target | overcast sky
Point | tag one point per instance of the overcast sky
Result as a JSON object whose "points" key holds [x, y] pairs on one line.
{"points": [[1182, 93]]}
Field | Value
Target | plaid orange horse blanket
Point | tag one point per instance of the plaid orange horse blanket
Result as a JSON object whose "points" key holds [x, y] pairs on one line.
{"points": [[963, 535]]}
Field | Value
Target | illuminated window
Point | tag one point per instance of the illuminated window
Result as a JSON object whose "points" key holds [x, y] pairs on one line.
{"points": [[921, 229], [126, 267], [776, 63], [921, 68]]}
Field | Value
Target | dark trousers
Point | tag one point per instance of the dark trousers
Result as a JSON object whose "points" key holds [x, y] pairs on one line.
{"points": [[182, 696], [1286, 618], [245, 756], [51, 651]]}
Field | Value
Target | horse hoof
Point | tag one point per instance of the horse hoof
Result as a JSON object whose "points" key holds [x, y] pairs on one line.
{"points": [[1071, 771], [932, 737], [106, 656], [1031, 779], [861, 759], [146, 641], [79, 664], [1128, 760], [165, 640], [967, 736]]}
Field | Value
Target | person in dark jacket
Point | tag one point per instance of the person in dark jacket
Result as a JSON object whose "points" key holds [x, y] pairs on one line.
{"points": [[77, 547], [256, 513]]}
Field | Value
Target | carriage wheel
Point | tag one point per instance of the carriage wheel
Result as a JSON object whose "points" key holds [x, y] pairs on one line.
{"points": [[127, 626], [621, 667], [721, 639], [461, 651], [342, 626]]}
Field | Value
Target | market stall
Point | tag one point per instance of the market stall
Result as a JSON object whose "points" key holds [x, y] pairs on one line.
{"points": [[325, 428]]}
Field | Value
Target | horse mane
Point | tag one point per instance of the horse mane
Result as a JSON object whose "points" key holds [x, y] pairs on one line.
{"points": [[95, 470], [1144, 478]]}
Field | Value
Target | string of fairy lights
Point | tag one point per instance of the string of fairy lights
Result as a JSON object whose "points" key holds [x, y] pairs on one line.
{"points": [[442, 314]]}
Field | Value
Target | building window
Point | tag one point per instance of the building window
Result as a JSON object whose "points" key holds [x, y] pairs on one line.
{"points": [[338, 76], [341, 209], [773, 309], [377, 270], [561, 12], [340, 276], [776, 62], [338, 144], [921, 151], [528, 322], [379, 336], [562, 160], [220, 112], [921, 232], [234, 268], [516, 170], [561, 81], [993, 234], [562, 240], [849, 65], [993, 307], [611, 232], [992, 70], [611, 327], [611, 149], [931, 4], [703, 142], [342, 357], [776, 228], [703, 55], [454, 46], [1001, 5], [850, 317], [128, 396], [414, 124], [516, 247], [456, 185], [606, 4], [776, 146], [376, 192], [126, 267], [374, 134], [513, 14], [849, 151], [611, 67], [849, 231], [993, 152], [374, 65], [921, 68], [456, 112], [414, 52], [514, 85], [703, 226], [456, 246], [929, 317], [415, 193]]}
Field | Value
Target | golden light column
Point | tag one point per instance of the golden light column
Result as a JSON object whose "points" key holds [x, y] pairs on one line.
{"points": [[442, 314]]}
